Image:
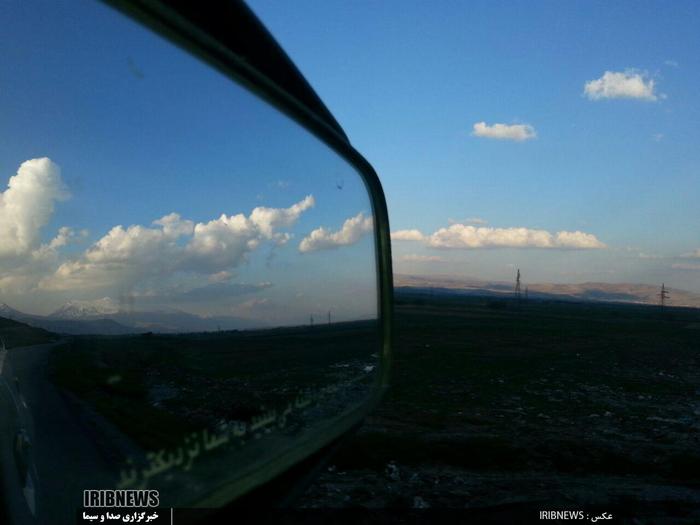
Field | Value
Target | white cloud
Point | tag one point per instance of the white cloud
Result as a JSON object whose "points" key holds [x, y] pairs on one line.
{"points": [[27, 204], [407, 235], [267, 219], [174, 226], [517, 132], [627, 84], [671, 63], [353, 230], [422, 258], [692, 255], [125, 257], [459, 235], [467, 236], [64, 237]]}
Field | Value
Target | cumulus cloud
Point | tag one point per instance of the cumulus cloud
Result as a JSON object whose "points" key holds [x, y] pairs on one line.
{"points": [[353, 230], [172, 255], [616, 84], [517, 132], [174, 226], [267, 219], [407, 235], [692, 255], [467, 236], [64, 237], [26, 206], [126, 256], [422, 258]]}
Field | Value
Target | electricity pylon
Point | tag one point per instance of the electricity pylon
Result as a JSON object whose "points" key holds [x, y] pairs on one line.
{"points": [[517, 286], [663, 295]]}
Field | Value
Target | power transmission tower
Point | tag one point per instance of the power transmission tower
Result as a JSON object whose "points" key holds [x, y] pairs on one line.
{"points": [[329, 317], [526, 293], [311, 319], [517, 286], [663, 295]]}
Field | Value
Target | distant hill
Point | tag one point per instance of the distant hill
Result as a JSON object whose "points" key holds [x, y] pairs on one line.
{"points": [[607, 292], [16, 334]]}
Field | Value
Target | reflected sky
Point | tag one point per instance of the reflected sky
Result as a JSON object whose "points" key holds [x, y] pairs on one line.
{"points": [[134, 178]]}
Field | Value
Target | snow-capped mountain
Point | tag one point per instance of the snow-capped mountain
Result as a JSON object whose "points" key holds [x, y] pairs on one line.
{"points": [[103, 316], [78, 310], [10, 313]]}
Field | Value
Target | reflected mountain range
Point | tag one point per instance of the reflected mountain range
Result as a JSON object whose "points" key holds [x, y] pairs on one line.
{"points": [[104, 318]]}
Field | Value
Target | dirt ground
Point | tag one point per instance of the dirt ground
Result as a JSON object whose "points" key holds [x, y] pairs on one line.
{"points": [[539, 405]]}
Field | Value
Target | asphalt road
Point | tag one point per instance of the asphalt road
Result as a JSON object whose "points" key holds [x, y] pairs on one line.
{"points": [[66, 456]]}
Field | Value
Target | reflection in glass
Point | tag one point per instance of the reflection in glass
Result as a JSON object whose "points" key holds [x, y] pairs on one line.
{"points": [[188, 276]]}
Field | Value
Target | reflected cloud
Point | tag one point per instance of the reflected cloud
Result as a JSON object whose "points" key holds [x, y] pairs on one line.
{"points": [[125, 257], [352, 231], [131, 257], [26, 206]]}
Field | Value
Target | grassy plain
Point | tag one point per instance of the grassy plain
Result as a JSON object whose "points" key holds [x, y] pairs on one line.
{"points": [[545, 403]]}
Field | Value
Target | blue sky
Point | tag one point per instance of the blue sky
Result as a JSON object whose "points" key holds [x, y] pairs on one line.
{"points": [[556, 138], [409, 80], [130, 169]]}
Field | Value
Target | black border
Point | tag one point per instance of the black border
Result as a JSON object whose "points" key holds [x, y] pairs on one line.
{"points": [[229, 37]]}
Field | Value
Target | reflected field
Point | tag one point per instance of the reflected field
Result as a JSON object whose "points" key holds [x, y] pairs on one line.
{"points": [[174, 399]]}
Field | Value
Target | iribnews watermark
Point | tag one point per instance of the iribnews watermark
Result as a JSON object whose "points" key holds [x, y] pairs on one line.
{"points": [[122, 506], [121, 498], [564, 515]]}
